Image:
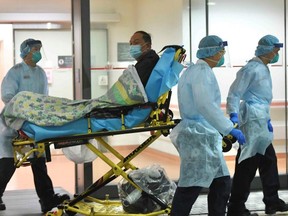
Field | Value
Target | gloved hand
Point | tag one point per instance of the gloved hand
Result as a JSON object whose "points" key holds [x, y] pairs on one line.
{"points": [[234, 118], [238, 135], [270, 127]]}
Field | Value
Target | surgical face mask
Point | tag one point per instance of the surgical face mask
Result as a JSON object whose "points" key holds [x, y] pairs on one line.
{"points": [[36, 56], [135, 51], [220, 62], [275, 58]]}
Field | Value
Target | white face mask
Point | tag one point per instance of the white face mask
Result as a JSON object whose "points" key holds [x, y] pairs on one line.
{"points": [[135, 51]]}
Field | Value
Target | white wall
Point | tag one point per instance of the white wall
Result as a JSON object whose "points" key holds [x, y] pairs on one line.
{"points": [[6, 51], [242, 23]]}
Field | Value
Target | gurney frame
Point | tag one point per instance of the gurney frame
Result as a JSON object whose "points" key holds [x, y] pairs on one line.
{"points": [[158, 123]]}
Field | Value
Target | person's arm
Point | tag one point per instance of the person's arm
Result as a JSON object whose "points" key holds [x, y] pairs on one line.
{"points": [[236, 92], [206, 93], [9, 86]]}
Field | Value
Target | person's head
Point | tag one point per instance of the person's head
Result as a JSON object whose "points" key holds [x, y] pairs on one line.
{"points": [[30, 51], [268, 48], [140, 43], [212, 50]]}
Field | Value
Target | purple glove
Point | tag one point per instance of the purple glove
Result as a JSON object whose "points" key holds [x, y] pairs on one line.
{"points": [[238, 135], [234, 118], [270, 127]]}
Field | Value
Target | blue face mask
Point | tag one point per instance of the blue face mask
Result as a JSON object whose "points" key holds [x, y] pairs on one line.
{"points": [[220, 62], [275, 58], [135, 51], [36, 56]]}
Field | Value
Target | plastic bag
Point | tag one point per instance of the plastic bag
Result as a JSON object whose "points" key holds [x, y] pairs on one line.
{"points": [[153, 180], [80, 153]]}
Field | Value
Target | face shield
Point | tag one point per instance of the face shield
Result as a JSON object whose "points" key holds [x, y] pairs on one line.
{"points": [[272, 53], [219, 49], [225, 56]]}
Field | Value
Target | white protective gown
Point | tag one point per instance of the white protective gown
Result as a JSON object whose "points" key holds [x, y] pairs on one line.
{"points": [[197, 137], [20, 77], [253, 87]]}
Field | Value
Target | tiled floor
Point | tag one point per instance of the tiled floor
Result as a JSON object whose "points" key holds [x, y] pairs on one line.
{"points": [[254, 203], [20, 190]]}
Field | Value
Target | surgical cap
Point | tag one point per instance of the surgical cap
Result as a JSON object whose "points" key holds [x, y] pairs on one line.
{"points": [[26, 46], [266, 45], [209, 46]]}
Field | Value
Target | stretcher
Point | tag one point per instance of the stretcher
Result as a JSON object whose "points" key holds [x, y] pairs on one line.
{"points": [[157, 119]]}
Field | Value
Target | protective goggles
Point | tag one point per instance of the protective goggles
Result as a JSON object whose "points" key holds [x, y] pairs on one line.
{"points": [[278, 45]]}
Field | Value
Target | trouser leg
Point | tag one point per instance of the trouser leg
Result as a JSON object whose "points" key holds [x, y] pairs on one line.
{"points": [[43, 183], [243, 176], [218, 196], [183, 200], [7, 169], [268, 171]]}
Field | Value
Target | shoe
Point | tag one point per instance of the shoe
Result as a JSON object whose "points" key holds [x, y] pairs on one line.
{"points": [[2, 205], [49, 204], [281, 206], [246, 212]]}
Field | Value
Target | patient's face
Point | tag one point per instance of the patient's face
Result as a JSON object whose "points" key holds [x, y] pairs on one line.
{"points": [[137, 39]]}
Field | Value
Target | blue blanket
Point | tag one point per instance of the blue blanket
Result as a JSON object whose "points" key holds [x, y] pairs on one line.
{"points": [[164, 76]]}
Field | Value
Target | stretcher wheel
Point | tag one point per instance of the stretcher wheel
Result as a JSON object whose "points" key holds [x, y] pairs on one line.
{"points": [[69, 213], [226, 144]]}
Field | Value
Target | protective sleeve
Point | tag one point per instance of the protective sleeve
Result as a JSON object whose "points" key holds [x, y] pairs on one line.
{"points": [[238, 88], [208, 99], [9, 86]]}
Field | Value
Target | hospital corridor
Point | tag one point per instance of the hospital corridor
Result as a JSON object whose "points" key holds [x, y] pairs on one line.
{"points": [[139, 104]]}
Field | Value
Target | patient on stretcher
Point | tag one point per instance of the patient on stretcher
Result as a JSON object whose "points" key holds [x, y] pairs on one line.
{"points": [[43, 117]]}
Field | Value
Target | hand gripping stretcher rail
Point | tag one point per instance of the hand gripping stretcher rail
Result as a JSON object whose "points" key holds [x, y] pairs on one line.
{"points": [[158, 122]]}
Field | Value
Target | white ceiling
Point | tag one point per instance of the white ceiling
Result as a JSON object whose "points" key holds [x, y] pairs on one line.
{"points": [[35, 11], [35, 6]]}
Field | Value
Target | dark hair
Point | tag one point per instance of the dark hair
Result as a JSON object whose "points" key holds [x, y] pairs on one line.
{"points": [[146, 36]]}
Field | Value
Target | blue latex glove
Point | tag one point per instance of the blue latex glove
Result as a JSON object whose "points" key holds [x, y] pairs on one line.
{"points": [[234, 118], [238, 135], [270, 127]]}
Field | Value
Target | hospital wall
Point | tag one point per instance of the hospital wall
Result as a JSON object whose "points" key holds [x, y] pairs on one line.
{"points": [[168, 24]]}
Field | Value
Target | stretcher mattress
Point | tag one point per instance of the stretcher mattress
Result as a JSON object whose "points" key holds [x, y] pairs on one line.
{"points": [[163, 77]]}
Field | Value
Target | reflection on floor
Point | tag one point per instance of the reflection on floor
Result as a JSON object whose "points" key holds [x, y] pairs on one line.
{"points": [[22, 200], [25, 203], [254, 203]]}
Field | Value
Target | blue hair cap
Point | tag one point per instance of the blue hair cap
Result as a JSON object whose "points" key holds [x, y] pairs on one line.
{"points": [[266, 45], [26, 45], [209, 46]]}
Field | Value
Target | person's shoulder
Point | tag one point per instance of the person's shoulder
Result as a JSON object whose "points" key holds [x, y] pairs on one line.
{"points": [[16, 68], [253, 65], [153, 53]]}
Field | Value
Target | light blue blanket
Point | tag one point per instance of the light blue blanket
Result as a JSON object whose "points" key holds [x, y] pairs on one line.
{"points": [[165, 75]]}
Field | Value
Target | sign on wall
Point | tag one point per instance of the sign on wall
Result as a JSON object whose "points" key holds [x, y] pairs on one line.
{"points": [[123, 52], [65, 61]]}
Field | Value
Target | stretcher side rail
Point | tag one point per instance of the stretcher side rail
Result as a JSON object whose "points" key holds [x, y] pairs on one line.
{"points": [[116, 112]]}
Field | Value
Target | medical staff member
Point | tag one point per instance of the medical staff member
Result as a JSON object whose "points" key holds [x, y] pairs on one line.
{"points": [[141, 51], [26, 76], [253, 87], [197, 137]]}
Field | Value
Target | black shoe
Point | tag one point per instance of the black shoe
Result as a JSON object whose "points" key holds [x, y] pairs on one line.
{"points": [[49, 204], [246, 212], [2, 205], [281, 206]]}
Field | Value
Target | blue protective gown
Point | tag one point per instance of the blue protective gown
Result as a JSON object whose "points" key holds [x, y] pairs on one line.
{"points": [[197, 136], [253, 87], [20, 77]]}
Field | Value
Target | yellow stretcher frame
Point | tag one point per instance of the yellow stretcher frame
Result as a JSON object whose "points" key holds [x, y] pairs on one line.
{"points": [[157, 124]]}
